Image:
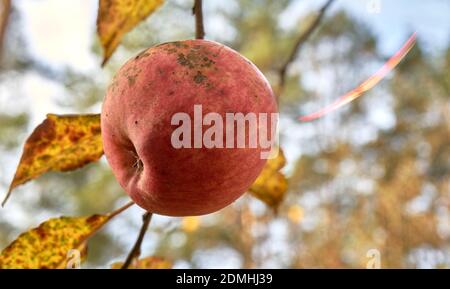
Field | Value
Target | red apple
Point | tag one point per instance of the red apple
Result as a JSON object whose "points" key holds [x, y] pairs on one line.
{"points": [[137, 129]]}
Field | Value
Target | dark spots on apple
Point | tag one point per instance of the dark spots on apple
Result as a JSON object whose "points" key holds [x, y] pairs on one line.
{"points": [[199, 78], [131, 80]]}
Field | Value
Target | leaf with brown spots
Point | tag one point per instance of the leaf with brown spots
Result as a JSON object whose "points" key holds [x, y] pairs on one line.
{"points": [[146, 263], [60, 143], [50, 244], [271, 185], [117, 17], [75, 257]]}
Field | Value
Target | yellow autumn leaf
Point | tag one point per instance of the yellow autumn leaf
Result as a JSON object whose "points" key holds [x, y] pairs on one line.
{"points": [[49, 245], [190, 224], [271, 185], [146, 263], [117, 17], [60, 143], [75, 257]]}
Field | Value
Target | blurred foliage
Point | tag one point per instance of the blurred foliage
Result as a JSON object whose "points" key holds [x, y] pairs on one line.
{"points": [[362, 180], [11, 125], [146, 263]]}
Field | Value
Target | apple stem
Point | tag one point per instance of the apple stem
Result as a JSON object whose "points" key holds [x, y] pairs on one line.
{"points": [[197, 11], [136, 250]]}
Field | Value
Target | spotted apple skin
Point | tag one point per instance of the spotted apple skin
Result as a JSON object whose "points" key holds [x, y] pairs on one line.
{"points": [[136, 126]]}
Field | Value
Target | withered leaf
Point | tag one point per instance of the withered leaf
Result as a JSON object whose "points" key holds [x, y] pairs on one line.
{"points": [[48, 245], [117, 17], [271, 185], [60, 143]]}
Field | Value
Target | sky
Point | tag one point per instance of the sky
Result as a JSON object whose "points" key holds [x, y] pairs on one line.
{"points": [[390, 20]]}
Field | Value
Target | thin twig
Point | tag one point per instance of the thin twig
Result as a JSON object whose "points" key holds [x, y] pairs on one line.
{"points": [[197, 10], [300, 41], [136, 250], [120, 210]]}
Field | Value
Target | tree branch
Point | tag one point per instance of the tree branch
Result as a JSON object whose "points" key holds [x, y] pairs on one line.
{"points": [[197, 10], [136, 250], [300, 41], [4, 17]]}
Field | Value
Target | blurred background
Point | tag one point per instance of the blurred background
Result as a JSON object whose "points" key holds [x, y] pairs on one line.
{"points": [[372, 175]]}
